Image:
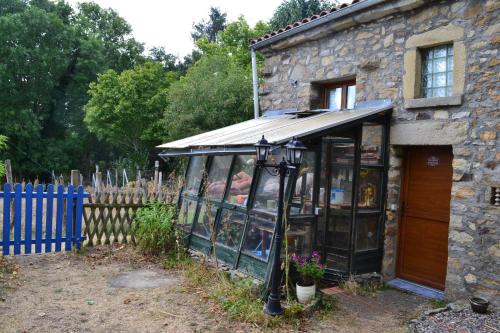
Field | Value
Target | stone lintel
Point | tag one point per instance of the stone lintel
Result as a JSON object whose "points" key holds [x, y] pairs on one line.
{"points": [[429, 132], [434, 37], [415, 103]]}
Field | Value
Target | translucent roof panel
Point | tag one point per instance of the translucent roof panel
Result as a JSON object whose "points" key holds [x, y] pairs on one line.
{"points": [[276, 130]]}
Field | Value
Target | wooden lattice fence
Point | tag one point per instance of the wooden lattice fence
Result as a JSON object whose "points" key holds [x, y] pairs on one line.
{"points": [[109, 216]]}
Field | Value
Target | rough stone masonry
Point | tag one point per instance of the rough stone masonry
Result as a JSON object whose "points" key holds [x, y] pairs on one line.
{"points": [[378, 54]]}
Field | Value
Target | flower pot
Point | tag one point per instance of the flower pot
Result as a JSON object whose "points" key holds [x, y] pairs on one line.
{"points": [[478, 304], [305, 294]]}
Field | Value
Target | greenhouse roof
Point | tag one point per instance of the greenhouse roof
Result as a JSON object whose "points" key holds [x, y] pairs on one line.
{"points": [[276, 129]]}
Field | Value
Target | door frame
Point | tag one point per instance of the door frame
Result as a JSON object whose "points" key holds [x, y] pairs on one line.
{"points": [[403, 192]]}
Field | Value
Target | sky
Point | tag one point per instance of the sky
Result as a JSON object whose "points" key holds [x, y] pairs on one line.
{"points": [[169, 23]]}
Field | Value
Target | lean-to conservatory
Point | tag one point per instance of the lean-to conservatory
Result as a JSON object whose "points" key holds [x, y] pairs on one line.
{"points": [[334, 201]]}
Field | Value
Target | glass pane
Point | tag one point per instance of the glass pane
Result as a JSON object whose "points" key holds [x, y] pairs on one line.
{"points": [[439, 80], [341, 190], [371, 144], [241, 179], [266, 194], [343, 152], [367, 232], [427, 67], [195, 174], [231, 228], [259, 236], [449, 65], [338, 231], [351, 97], [217, 177], [206, 221], [448, 91], [449, 79], [299, 239], [439, 65], [439, 51], [426, 81], [450, 49], [335, 99], [186, 215], [439, 92], [336, 262], [303, 194], [369, 188]]}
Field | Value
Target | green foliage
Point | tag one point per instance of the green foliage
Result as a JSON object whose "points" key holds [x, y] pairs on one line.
{"points": [[126, 109], [215, 92], [310, 269], [154, 231], [48, 56], [438, 303], [3, 146], [211, 28], [291, 11]]}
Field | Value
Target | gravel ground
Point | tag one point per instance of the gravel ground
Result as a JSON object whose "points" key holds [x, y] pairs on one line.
{"points": [[463, 321]]}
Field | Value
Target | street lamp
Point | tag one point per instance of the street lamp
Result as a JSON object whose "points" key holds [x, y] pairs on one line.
{"points": [[294, 153]]}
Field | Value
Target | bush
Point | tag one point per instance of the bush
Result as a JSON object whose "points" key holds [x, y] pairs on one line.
{"points": [[155, 233]]}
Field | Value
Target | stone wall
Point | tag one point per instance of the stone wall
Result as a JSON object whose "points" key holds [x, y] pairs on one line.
{"points": [[373, 53]]}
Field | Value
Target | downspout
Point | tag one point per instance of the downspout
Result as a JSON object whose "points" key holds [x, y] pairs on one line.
{"points": [[255, 85]]}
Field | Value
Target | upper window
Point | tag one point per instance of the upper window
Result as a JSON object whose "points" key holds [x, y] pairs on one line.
{"points": [[437, 71], [341, 95]]}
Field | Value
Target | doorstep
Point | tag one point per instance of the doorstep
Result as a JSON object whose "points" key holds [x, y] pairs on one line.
{"points": [[415, 288]]}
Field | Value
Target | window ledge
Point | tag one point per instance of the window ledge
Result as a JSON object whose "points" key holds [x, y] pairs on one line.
{"points": [[416, 103]]}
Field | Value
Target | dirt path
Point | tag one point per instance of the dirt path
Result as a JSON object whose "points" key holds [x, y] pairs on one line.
{"points": [[121, 291], [74, 293]]}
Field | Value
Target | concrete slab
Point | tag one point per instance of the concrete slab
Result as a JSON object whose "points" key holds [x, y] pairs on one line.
{"points": [[142, 278]]}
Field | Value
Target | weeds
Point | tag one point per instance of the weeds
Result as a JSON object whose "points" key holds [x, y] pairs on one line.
{"points": [[438, 303], [155, 228]]}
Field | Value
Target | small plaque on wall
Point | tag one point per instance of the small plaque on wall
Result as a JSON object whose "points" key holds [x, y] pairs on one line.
{"points": [[432, 161]]}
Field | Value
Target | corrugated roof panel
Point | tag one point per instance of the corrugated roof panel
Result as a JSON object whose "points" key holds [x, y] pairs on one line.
{"points": [[276, 130]]}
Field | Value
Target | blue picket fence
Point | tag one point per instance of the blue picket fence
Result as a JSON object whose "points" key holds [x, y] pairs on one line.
{"points": [[67, 206]]}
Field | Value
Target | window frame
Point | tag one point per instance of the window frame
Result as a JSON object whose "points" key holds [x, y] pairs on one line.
{"points": [[326, 88], [424, 55]]}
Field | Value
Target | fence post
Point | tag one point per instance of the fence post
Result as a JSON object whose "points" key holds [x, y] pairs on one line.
{"points": [[98, 181], [8, 172], [10, 180], [75, 178], [75, 181]]}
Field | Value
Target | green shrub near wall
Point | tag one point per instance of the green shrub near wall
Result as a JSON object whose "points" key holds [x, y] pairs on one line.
{"points": [[155, 233]]}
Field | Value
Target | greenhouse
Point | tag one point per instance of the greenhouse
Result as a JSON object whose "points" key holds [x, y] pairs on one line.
{"points": [[334, 200]]}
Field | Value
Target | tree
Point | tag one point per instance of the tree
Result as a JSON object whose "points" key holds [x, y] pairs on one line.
{"points": [[48, 56], [210, 29], [215, 92], [3, 146], [295, 10], [126, 109]]}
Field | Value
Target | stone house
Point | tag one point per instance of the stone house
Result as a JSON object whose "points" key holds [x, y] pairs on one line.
{"points": [[397, 102], [438, 63]]}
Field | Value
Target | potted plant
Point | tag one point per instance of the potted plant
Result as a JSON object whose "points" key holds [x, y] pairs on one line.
{"points": [[310, 270]]}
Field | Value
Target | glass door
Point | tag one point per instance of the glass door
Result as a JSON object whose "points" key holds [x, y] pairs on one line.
{"points": [[336, 201]]}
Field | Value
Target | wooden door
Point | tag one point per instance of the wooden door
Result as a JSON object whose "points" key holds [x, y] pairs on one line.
{"points": [[425, 204]]}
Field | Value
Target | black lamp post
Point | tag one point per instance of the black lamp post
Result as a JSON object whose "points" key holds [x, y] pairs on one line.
{"points": [[294, 153]]}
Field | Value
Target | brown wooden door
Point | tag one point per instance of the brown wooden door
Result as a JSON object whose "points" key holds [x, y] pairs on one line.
{"points": [[423, 245]]}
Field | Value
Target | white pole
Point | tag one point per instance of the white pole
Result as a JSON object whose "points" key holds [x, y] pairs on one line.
{"points": [[255, 85]]}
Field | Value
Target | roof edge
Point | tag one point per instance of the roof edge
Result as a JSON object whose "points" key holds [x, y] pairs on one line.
{"points": [[342, 12]]}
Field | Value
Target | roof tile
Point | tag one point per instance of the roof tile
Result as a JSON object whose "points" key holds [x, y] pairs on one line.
{"points": [[303, 21]]}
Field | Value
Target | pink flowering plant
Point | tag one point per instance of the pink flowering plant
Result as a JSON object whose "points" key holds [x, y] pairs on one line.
{"points": [[309, 268]]}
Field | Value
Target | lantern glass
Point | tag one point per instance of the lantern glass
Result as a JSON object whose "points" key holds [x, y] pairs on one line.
{"points": [[262, 148], [294, 151]]}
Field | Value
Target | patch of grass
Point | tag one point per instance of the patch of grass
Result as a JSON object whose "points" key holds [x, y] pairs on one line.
{"points": [[240, 299], [438, 303]]}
